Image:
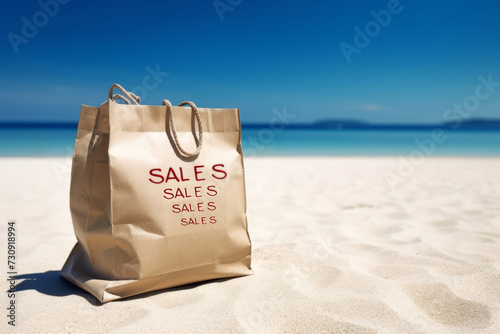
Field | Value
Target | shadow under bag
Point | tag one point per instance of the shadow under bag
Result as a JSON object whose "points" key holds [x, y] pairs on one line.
{"points": [[157, 197]]}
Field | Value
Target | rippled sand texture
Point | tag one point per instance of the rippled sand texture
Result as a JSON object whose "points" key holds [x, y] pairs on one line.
{"points": [[336, 248]]}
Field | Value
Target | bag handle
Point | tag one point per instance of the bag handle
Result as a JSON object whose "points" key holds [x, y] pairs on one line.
{"points": [[129, 96], [174, 131], [132, 98]]}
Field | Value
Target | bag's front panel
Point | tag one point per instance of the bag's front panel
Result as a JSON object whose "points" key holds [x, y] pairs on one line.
{"points": [[176, 214]]}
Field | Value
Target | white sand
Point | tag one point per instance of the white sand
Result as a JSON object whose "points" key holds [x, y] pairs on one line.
{"points": [[335, 249]]}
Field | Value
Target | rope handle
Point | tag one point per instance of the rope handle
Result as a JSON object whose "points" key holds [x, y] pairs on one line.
{"points": [[174, 131], [128, 98]]}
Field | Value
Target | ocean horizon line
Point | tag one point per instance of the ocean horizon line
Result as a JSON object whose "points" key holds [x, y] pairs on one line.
{"points": [[482, 124]]}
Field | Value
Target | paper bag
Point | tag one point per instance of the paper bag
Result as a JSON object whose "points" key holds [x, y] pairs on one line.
{"points": [[157, 197]]}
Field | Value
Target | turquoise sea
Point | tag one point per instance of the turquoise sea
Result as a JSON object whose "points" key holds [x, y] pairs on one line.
{"points": [[43, 141]]}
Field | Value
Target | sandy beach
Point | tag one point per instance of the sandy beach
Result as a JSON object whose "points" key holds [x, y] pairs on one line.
{"points": [[357, 245]]}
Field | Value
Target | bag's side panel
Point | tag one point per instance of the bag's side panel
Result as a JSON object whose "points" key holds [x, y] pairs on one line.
{"points": [[82, 170], [78, 267], [237, 236], [106, 251], [247, 259]]}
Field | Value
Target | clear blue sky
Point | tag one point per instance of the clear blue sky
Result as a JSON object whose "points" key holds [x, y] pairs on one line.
{"points": [[262, 55]]}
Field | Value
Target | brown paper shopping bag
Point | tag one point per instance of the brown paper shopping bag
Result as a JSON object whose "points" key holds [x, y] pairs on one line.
{"points": [[157, 197]]}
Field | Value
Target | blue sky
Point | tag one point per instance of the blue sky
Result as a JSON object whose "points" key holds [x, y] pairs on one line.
{"points": [[261, 55]]}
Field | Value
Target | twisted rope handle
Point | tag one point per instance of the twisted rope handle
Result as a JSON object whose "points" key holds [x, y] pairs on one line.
{"points": [[174, 131], [120, 97], [128, 98]]}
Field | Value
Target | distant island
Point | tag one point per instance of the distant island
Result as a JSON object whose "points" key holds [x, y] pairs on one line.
{"points": [[483, 124], [338, 124]]}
